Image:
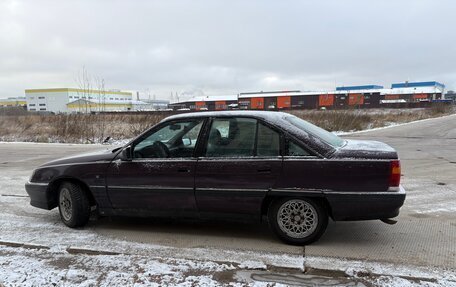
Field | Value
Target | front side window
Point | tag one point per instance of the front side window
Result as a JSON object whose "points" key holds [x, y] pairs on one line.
{"points": [[174, 140], [241, 137]]}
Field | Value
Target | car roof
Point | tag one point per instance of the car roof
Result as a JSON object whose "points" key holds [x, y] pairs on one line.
{"points": [[271, 115]]}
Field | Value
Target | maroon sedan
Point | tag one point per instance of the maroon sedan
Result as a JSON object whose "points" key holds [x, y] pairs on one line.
{"points": [[231, 165]]}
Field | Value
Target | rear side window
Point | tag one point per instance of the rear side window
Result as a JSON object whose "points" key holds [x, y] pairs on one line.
{"points": [[295, 150], [268, 141], [307, 127], [233, 137], [241, 137]]}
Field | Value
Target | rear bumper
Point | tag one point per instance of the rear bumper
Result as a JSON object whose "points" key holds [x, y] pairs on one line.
{"points": [[40, 196], [365, 205]]}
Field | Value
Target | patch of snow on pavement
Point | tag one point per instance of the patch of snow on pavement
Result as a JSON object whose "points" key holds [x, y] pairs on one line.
{"points": [[47, 268]]}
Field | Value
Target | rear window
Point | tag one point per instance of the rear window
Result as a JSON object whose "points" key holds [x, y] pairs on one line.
{"points": [[307, 127]]}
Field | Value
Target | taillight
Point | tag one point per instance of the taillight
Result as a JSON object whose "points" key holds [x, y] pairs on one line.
{"points": [[395, 173]]}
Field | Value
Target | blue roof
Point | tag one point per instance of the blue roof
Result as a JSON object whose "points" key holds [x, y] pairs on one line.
{"points": [[365, 87], [418, 84]]}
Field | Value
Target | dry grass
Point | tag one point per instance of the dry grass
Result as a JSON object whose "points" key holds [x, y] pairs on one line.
{"points": [[355, 120], [92, 128], [74, 128]]}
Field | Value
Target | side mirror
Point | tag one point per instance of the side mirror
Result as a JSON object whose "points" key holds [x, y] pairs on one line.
{"points": [[126, 153]]}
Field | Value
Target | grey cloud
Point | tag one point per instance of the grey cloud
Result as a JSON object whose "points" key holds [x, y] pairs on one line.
{"points": [[225, 47]]}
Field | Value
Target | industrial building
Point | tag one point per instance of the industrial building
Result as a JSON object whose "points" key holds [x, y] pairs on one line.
{"points": [[365, 96], [69, 100], [64, 100]]}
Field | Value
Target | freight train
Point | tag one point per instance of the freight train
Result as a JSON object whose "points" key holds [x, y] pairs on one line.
{"points": [[371, 96]]}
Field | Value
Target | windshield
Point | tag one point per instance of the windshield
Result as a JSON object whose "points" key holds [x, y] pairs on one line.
{"points": [[307, 127]]}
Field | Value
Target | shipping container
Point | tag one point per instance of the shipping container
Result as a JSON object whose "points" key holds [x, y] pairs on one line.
{"points": [[210, 106], [311, 101], [200, 106], [371, 100], [355, 99], [326, 100], [297, 102], [284, 102], [421, 97], [257, 103], [232, 104], [392, 97], [220, 105], [244, 104], [341, 101], [270, 103]]}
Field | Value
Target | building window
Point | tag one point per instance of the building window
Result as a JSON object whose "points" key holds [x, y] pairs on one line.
{"points": [[40, 98], [31, 98], [33, 109], [42, 109], [31, 105], [42, 105]]}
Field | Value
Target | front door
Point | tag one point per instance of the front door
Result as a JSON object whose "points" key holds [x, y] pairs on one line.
{"points": [[240, 163], [160, 177]]}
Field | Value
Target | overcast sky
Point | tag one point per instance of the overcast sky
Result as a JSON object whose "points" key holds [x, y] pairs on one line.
{"points": [[225, 47]]}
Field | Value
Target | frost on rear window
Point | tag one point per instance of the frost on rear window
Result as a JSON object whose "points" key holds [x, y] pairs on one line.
{"points": [[318, 132]]}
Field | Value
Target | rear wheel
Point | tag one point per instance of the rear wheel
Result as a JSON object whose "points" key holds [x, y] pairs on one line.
{"points": [[298, 221], [74, 205]]}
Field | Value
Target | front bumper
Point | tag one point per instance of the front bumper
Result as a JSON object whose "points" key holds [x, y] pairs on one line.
{"points": [[365, 205], [40, 195]]}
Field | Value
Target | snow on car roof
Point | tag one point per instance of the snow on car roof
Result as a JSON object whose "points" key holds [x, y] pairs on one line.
{"points": [[258, 114]]}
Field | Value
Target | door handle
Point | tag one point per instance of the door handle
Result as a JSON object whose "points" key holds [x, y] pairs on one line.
{"points": [[264, 170], [183, 170]]}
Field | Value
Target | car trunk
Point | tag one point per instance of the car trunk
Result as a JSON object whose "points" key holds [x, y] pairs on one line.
{"points": [[365, 150]]}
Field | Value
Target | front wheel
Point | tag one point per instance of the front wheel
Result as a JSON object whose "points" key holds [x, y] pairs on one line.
{"points": [[74, 206], [297, 221]]}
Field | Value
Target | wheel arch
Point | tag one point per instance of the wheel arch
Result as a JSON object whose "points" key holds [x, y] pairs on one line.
{"points": [[55, 184]]}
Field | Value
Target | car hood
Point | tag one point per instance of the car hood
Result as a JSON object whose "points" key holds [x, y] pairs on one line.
{"points": [[366, 149], [101, 155]]}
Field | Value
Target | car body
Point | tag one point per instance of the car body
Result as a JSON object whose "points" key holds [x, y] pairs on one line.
{"points": [[237, 165]]}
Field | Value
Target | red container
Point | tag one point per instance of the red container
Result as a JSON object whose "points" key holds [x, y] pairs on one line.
{"points": [[220, 105], [355, 99], [257, 103], [326, 100], [283, 102]]}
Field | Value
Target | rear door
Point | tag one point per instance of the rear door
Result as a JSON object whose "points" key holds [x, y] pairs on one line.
{"points": [[239, 164]]}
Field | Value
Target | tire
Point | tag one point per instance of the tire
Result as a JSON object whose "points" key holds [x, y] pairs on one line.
{"points": [[74, 205], [297, 221]]}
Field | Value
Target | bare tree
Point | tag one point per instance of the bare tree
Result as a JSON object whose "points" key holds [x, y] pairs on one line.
{"points": [[90, 87], [84, 83]]}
